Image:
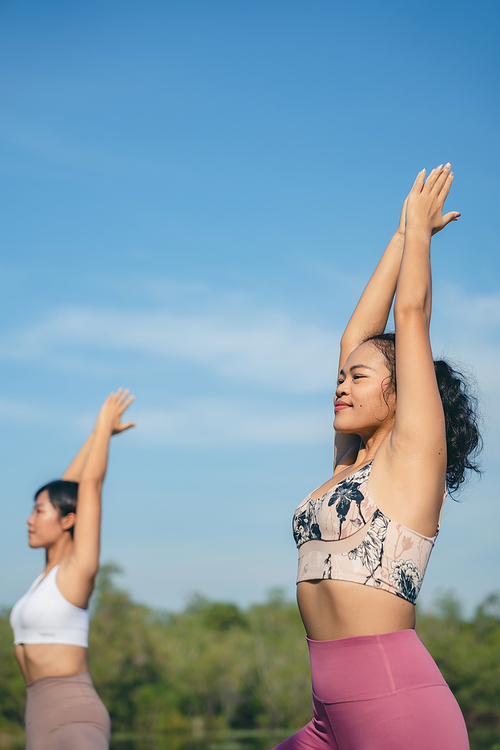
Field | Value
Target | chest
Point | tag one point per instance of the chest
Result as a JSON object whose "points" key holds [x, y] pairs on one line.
{"points": [[338, 513]]}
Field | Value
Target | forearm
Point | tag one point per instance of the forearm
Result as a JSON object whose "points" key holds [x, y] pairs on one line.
{"points": [[372, 311], [414, 289], [74, 471], [94, 469]]}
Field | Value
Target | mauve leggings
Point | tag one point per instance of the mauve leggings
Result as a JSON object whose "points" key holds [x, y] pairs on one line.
{"points": [[379, 692], [65, 713]]}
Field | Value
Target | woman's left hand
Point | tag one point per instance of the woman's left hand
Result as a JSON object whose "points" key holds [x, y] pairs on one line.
{"points": [[111, 412], [426, 200]]}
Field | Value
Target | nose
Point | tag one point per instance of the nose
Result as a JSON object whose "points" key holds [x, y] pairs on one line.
{"points": [[341, 390]]}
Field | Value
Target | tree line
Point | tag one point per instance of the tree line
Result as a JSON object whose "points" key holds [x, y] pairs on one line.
{"points": [[215, 666]]}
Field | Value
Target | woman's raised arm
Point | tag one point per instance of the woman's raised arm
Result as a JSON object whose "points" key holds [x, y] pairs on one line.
{"points": [[418, 440], [74, 470], [83, 561], [369, 318]]}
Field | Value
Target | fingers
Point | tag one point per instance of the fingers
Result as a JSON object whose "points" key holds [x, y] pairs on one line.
{"points": [[444, 179], [126, 404], [126, 426], [445, 220], [120, 395], [419, 181], [121, 398], [451, 216], [433, 176]]}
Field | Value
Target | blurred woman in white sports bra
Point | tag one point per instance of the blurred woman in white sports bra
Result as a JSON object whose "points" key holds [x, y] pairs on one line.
{"points": [[51, 621]]}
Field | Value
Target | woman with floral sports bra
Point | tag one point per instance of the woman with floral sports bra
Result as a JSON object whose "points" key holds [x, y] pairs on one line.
{"points": [[51, 621], [404, 431]]}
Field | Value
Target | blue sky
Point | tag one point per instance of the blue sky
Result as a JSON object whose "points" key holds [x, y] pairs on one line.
{"points": [[194, 194]]}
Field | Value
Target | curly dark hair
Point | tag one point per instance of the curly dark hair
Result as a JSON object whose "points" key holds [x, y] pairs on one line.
{"points": [[463, 440]]}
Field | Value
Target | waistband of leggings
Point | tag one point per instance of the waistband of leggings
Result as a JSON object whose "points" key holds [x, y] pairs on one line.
{"points": [[368, 666], [358, 641], [392, 636], [44, 682]]}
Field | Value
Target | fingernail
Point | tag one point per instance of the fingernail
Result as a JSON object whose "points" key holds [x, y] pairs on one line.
{"points": [[452, 174], [440, 166], [448, 165]]}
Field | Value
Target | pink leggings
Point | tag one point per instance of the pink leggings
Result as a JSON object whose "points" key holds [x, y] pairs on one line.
{"points": [[65, 713], [379, 692]]}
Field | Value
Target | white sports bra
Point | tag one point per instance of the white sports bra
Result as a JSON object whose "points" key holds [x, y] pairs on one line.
{"points": [[43, 615]]}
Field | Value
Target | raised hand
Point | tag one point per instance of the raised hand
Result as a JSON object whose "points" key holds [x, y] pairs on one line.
{"points": [[111, 412], [424, 205]]}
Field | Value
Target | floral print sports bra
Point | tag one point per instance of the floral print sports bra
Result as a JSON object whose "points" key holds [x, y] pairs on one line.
{"points": [[342, 535]]}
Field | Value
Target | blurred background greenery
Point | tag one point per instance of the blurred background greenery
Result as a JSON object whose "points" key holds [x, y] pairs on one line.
{"points": [[214, 677]]}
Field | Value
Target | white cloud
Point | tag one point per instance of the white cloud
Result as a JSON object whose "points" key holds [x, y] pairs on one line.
{"points": [[197, 422], [264, 347], [477, 314], [21, 411], [244, 343], [211, 421]]}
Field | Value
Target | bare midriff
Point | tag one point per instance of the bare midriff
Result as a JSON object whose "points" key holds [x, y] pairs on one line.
{"points": [[38, 660], [340, 609]]}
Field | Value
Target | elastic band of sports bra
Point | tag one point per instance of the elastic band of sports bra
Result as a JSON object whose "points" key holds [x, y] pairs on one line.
{"points": [[338, 546]]}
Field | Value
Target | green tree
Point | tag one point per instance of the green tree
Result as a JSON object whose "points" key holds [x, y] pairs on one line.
{"points": [[215, 666], [12, 690]]}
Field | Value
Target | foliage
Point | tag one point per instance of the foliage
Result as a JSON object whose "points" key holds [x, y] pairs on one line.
{"points": [[12, 691], [468, 654], [214, 666], [210, 666]]}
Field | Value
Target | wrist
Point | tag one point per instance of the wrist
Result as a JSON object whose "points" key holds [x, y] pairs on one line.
{"points": [[103, 427], [419, 229]]}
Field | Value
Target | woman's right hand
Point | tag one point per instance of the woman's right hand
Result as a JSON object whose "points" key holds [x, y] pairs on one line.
{"points": [[426, 200], [110, 415]]}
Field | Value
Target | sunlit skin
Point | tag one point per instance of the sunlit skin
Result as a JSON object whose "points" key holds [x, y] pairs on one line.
{"points": [[404, 434], [363, 407], [46, 526], [363, 403], [78, 558], [47, 529]]}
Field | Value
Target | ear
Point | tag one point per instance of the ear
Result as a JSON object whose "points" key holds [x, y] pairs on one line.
{"points": [[68, 521]]}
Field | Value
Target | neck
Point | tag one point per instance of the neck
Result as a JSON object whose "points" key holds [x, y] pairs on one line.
{"points": [[58, 551], [370, 443]]}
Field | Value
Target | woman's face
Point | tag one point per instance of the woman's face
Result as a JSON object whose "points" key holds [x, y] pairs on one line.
{"points": [[45, 525], [360, 407]]}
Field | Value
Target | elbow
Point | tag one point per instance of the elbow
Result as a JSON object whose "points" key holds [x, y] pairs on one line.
{"points": [[348, 343], [343, 342], [410, 313], [93, 483]]}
